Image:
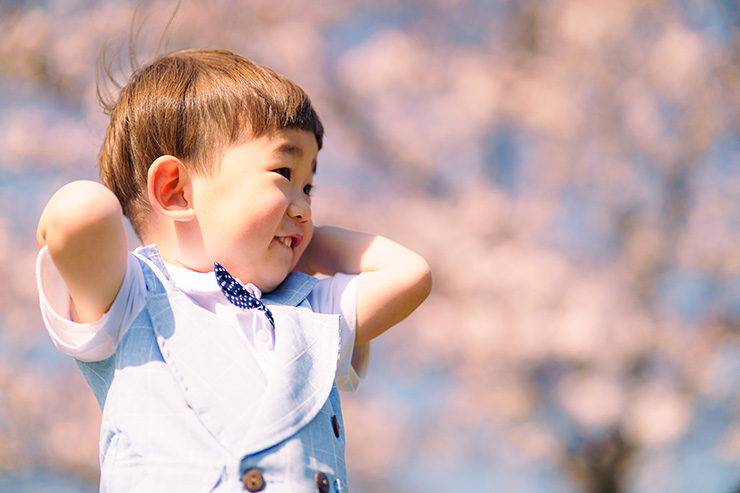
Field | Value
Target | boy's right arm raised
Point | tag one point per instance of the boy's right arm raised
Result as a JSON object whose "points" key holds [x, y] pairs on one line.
{"points": [[82, 226]]}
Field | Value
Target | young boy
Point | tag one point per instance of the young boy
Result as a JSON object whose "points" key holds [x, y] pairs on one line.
{"points": [[207, 383]]}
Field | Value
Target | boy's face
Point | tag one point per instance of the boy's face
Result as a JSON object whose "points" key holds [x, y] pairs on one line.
{"points": [[254, 215]]}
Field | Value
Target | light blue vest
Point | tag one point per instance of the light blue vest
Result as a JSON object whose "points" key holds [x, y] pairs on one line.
{"points": [[187, 408]]}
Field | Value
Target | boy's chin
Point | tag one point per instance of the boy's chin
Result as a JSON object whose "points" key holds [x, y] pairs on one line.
{"points": [[271, 284]]}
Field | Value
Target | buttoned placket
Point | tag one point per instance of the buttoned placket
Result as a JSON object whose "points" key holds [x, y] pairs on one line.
{"points": [[263, 333]]}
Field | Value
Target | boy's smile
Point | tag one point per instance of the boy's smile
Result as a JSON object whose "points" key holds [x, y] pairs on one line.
{"points": [[290, 241], [254, 214]]}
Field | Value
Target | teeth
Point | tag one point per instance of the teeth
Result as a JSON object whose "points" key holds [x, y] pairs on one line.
{"points": [[286, 240]]}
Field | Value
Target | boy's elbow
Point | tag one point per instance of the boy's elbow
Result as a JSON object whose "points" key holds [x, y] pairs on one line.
{"points": [[77, 210], [426, 280], [387, 297], [423, 280]]}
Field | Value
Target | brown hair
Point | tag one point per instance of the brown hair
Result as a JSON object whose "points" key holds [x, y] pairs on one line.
{"points": [[193, 105]]}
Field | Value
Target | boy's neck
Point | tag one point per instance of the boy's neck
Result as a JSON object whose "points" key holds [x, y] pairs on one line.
{"points": [[174, 245]]}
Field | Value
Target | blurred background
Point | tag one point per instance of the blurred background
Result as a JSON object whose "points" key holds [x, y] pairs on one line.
{"points": [[570, 169]]}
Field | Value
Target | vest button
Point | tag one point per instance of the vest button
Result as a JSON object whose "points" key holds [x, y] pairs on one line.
{"points": [[322, 483], [253, 480], [335, 425]]}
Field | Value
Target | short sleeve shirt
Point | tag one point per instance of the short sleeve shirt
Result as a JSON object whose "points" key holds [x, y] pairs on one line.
{"points": [[98, 340]]}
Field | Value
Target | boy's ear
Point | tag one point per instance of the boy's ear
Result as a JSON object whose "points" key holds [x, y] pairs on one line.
{"points": [[170, 189]]}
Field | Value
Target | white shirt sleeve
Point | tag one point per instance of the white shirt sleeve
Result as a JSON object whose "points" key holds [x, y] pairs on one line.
{"points": [[338, 295], [94, 341]]}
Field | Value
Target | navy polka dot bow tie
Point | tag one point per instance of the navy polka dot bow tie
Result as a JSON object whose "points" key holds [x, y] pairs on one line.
{"points": [[237, 294]]}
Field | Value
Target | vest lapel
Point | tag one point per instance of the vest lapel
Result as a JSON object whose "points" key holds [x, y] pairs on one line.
{"points": [[305, 365], [246, 410]]}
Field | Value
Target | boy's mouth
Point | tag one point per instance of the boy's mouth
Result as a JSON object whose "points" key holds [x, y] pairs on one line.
{"points": [[290, 241]]}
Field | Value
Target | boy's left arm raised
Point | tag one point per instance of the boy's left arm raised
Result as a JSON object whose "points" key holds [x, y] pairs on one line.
{"points": [[393, 280], [82, 227]]}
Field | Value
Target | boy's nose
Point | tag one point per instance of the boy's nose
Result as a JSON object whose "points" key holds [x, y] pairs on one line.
{"points": [[300, 209]]}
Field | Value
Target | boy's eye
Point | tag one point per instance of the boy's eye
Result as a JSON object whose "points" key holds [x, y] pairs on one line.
{"points": [[283, 171], [308, 189]]}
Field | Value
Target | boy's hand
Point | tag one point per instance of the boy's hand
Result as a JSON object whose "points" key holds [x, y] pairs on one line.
{"points": [[393, 281], [82, 225]]}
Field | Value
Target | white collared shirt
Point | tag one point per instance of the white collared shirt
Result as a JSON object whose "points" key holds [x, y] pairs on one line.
{"points": [[98, 340]]}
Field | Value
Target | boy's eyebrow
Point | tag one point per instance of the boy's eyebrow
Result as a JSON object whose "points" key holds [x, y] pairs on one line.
{"points": [[290, 148], [294, 150]]}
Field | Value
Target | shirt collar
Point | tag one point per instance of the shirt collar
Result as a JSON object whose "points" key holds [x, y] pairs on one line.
{"points": [[292, 291], [202, 282]]}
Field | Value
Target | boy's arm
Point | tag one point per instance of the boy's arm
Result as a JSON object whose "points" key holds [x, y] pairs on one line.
{"points": [[82, 226], [393, 281]]}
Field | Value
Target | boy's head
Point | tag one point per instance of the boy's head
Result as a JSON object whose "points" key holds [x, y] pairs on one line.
{"points": [[194, 105]]}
